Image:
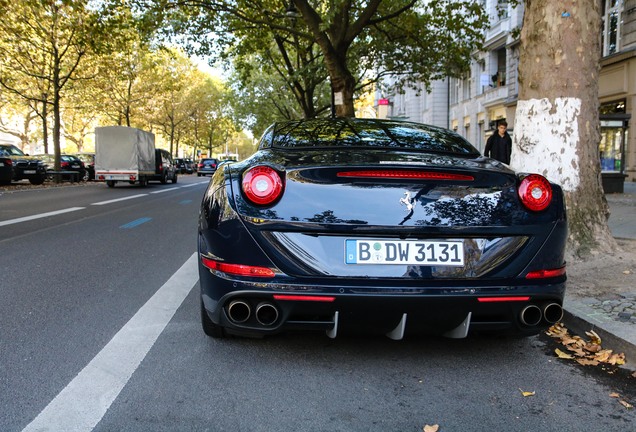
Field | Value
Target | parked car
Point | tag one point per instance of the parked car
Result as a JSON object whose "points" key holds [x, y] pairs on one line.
{"points": [[207, 166], [89, 164], [183, 166], [164, 167], [191, 164], [386, 226], [22, 166], [73, 168], [6, 168]]}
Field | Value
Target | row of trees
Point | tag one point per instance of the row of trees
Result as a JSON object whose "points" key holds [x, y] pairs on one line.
{"points": [[68, 67]]}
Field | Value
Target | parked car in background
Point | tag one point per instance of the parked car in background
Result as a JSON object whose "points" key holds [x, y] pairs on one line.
{"points": [[164, 167], [73, 167], [207, 166], [380, 226], [182, 165], [191, 164], [6, 168], [22, 166], [89, 163]]}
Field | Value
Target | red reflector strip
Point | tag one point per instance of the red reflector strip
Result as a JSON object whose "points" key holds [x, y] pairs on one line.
{"points": [[502, 299], [238, 269], [543, 274], [405, 174], [289, 297]]}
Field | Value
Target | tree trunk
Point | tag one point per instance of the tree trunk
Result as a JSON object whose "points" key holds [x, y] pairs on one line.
{"points": [[45, 128], [342, 86], [556, 129]]}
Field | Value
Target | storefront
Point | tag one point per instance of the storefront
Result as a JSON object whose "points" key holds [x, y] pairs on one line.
{"points": [[614, 136]]}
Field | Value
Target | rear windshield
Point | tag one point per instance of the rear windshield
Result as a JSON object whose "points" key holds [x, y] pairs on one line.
{"points": [[369, 133]]}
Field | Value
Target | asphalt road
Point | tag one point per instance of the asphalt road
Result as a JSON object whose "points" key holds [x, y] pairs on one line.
{"points": [[100, 330]]}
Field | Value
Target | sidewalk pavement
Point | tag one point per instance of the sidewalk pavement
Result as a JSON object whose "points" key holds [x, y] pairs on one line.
{"points": [[612, 318]]}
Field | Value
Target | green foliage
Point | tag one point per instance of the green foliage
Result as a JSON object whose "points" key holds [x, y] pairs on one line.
{"points": [[355, 43]]}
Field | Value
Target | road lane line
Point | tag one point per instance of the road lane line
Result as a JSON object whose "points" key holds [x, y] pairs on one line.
{"points": [[39, 216], [165, 190], [118, 199], [85, 400], [195, 184]]}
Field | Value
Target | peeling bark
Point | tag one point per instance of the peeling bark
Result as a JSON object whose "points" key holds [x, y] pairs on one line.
{"points": [[556, 131]]}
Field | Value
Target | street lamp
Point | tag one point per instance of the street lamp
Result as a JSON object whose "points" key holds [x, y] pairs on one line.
{"points": [[291, 13]]}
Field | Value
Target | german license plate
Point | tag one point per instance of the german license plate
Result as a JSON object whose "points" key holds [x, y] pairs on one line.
{"points": [[29, 171], [74, 166], [409, 252]]}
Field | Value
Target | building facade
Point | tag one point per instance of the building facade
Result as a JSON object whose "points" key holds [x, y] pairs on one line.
{"points": [[475, 104]]}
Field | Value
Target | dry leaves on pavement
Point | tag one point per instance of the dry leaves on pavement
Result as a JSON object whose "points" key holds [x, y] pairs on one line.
{"points": [[621, 401], [431, 428], [585, 352]]}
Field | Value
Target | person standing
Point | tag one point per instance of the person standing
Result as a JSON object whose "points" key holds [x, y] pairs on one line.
{"points": [[499, 145]]}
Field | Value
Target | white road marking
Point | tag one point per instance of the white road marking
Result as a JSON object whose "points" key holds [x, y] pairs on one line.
{"points": [[164, 190], [85, 400], [39, 216], [118, 199]]}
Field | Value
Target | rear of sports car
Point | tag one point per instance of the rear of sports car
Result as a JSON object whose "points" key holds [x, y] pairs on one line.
{"points": [[378, 226]]}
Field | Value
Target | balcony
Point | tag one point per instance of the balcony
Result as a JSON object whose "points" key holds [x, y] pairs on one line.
{"points": [[497, 31], [494, 96]]}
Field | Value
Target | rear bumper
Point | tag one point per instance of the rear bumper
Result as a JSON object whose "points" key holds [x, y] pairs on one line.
{"points": [[380, 309]]}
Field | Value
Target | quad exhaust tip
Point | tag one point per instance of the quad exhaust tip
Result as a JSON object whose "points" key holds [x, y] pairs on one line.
{"points": [[531, 315], [553, 313], [266, 313], [239, 311]]}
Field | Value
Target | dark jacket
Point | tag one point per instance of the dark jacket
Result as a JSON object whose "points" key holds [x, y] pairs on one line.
{"points": [[499, 147]]}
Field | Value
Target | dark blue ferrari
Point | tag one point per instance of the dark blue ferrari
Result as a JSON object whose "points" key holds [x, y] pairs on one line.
{"points": [[381, 226]]}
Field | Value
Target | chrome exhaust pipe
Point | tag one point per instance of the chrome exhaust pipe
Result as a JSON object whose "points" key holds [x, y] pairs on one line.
{"points": [[266, 313], [530, 315], [239, 311], [553, 313]]}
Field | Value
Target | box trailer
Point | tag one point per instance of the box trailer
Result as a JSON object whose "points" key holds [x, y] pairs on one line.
{"points": [[124, 154]]}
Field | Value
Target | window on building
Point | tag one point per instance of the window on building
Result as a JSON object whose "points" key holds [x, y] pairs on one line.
{"points": [[502, 9], [498, 72], [612, 24], [466, 87], [454, 91]]}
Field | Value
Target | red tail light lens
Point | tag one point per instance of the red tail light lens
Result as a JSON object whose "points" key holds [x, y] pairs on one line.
{"points": [[262, 185], [238, 269], [64, 164], [535, 192], [544, 274], [405, 174]]}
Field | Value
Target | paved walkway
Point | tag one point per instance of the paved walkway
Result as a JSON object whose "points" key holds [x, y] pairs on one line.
{"points": [[613, 318]]}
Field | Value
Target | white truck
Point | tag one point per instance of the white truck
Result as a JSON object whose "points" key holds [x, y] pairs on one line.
{"points": [[124, 154]]}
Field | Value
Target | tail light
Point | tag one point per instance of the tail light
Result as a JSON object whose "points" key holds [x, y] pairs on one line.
{"points": [[237, 269], [262, 185], [64, 164], [535, 192], [405, 174]]}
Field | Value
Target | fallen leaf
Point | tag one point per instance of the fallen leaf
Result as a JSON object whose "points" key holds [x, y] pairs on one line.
{"points": [[527, 393], [593, 348], [603, 355], [617, 359], [587, 362], [563, 355], [627, 272], [626, 404], [634, 375], [429, 428], [614, 395], [594, 338]]}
